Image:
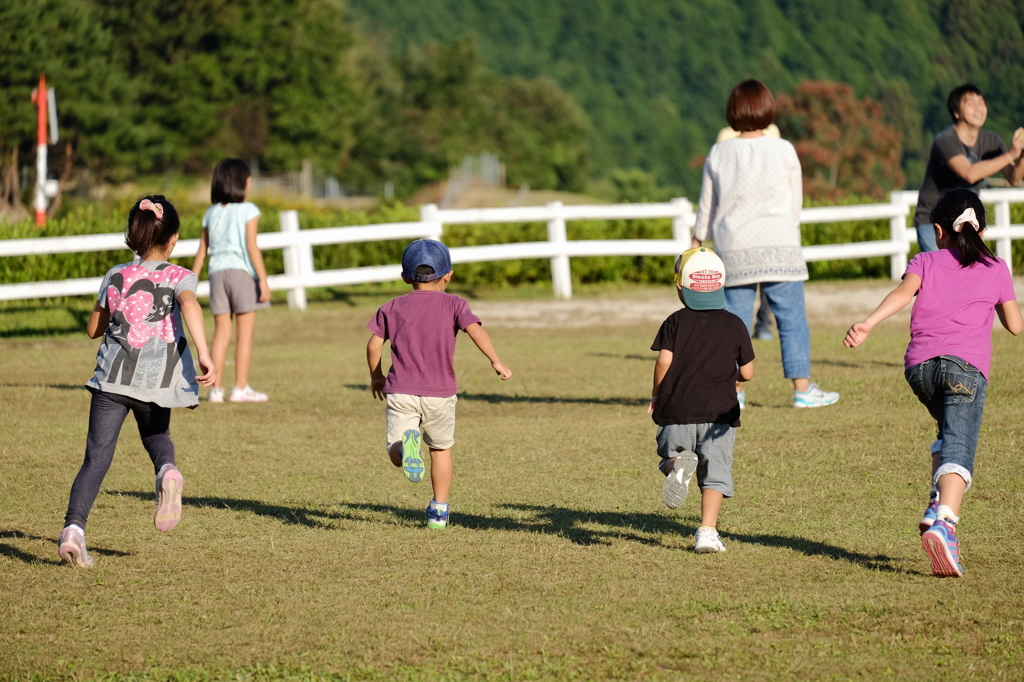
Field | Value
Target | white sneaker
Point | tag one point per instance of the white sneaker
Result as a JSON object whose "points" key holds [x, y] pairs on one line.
{"points": [[216, 395], [247, 395], [706, 541], [677, 483], [814, 397], [72, 547]]}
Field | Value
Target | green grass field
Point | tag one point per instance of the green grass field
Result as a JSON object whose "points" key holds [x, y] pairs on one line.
{"points": [[303, 554]]}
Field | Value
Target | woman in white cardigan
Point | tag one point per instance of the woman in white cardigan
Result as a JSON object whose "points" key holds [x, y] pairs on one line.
{"points": [[750, 202]]}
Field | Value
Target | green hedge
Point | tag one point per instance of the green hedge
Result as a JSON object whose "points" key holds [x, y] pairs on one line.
{"points": [[633, 269]]}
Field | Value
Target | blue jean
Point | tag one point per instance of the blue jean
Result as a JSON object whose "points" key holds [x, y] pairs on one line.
{"points": [[954, 391], [786, 300], [926, 238]]}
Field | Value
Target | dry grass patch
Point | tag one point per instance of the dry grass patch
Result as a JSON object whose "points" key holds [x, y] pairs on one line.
{"points": [[304, 554]]}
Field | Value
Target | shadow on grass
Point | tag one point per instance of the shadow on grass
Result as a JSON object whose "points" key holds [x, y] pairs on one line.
{"points": [[631, 356], [59, 387], [581, 527], [495, 398], [12, 552]]}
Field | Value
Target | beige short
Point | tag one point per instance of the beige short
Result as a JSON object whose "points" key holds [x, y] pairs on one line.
{"points": [[234, 292], [434, 418]]}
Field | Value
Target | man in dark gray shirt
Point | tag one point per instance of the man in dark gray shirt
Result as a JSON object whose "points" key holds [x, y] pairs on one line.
{"points": [[963, 155]]}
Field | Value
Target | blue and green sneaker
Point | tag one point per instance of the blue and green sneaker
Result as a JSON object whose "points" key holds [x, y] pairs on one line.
{"points": [[437, 515], [412, 459]]}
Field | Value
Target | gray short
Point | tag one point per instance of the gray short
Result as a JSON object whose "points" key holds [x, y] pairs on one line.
{"points": [[713, 444], [234, 292]]}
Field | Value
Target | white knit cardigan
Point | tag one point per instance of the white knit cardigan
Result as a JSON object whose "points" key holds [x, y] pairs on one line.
{"points": [[750, 202]]}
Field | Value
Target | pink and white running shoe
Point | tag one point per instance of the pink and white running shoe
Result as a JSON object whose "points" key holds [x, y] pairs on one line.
{"points": [[72, 547], [169, 483]]}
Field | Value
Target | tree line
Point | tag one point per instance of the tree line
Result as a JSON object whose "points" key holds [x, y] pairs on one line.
{"points": [[157, 86]]}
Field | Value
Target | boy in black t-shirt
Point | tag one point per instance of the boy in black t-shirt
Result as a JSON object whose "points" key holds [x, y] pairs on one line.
{"points": [[702, 351]]}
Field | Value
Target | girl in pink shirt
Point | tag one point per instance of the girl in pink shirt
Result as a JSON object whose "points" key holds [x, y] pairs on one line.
{"points": [[960, 289]]}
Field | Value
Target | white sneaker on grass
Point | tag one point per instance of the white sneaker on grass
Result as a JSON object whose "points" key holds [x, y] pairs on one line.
{"points": [[706, 541], [814, 397], [72, 547], [677, 483], [216, 395], [247, 395]]}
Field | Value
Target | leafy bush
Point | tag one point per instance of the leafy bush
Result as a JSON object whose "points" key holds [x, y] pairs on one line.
{"points": [[631, 269]]}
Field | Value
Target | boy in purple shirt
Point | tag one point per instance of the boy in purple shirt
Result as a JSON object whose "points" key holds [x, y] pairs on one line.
{"points": [[420, 387]]}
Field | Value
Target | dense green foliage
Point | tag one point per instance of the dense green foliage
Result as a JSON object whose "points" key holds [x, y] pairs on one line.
{"points": [[154, 87], [638, 269], [654, 76]]}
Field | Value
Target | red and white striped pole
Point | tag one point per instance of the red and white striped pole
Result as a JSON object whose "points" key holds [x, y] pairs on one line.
{"points": [[40, 99]]}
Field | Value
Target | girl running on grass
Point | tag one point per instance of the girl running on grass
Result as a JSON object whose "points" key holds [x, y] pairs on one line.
{"points": [[238, 280], [959, 289], [143, 367]]}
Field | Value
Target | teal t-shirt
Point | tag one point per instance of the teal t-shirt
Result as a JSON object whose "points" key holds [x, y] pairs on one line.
{"points": [[225, 224]]}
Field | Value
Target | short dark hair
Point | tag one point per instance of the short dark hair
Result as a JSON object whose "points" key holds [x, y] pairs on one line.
{"points": [[957, 96], [951, 204], [229, 182], [424, 270], [751, 106]]}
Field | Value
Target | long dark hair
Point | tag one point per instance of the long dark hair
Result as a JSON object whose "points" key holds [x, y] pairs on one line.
{"points": [[229, 182], [951, 204], [145, 230]]}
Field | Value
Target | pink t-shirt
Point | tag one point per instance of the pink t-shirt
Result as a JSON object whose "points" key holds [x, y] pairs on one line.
{"points": [[421, 327], [955, 307]]}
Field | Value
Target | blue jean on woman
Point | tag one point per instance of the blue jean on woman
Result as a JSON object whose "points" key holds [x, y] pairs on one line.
{"points": [[954, 392], [786, 300]]}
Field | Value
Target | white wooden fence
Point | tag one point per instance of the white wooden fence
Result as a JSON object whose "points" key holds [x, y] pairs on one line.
{"points": [[300, 273]]}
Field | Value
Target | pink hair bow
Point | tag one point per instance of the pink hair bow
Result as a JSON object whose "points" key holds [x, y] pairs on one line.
{"points": [[147, 205], [969, 217]]}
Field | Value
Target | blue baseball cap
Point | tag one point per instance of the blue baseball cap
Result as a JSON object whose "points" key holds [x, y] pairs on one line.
{"points": [[426, 252]]}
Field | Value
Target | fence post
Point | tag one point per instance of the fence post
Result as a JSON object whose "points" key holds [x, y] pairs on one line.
{"points": [[1004, 246], [297, 258], [428, 214], [561, 276], [898, 235], [681, 223]]}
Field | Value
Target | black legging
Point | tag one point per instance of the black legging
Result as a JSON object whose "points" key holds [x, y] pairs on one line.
{"points": [[106, 416]]}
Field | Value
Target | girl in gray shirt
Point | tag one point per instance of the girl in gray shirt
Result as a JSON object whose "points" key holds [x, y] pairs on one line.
{"points": [[143, 366]]}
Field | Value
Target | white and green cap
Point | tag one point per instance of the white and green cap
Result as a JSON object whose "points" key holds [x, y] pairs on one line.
{"points": [[701, 274]]}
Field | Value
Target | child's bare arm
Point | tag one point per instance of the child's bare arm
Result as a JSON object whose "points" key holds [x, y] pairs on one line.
{"points": [[661, 366], [747, 371], [1010, 318], [373, 353], [483, 341], [204, 240], [256, 256], [895, 301], [192, 316], [98, 321]]}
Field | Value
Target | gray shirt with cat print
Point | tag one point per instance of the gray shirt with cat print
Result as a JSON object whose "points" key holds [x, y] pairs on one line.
{"points": [[144, 354]]}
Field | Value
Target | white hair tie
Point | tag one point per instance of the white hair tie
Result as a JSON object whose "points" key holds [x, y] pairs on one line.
{"points": [[969, 217]]}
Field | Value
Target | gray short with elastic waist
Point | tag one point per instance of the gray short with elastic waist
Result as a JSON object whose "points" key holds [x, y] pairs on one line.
{"points": [[713, 444]]}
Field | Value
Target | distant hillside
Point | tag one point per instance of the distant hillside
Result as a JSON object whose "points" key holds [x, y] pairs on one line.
{"points": [[653, 76]]}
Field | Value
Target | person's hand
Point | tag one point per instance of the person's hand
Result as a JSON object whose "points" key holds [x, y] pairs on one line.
{"points": [[857, 335], [502, 370], [264, 291], [377, 386], [650, 406], [209, 374], [1017, 143]]}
